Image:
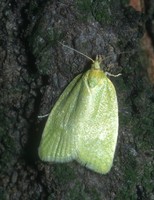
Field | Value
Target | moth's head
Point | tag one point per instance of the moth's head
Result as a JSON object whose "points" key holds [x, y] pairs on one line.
{"points": [[96, 63]]}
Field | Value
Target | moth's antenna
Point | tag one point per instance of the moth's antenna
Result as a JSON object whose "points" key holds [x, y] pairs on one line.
{"points": [[118, 54], [77, 52]]}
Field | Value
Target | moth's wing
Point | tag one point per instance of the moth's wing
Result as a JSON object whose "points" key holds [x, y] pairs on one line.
{"points": [[58, 142], [97, 136]]}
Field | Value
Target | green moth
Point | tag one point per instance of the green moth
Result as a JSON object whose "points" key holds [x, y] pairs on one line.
{"points": [[83, 124]]}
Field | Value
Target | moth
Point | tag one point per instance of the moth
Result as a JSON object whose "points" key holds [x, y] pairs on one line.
{"points": [[83, 124]]}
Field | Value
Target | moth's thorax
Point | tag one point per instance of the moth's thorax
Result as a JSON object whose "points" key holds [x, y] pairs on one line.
{"points": [[95, 77]]}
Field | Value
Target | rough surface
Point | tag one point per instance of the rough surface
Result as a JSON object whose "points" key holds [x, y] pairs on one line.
{"points": [[34, 70]]}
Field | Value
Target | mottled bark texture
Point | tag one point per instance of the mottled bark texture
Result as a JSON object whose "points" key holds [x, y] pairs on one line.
{"points": [[34, 70]]}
